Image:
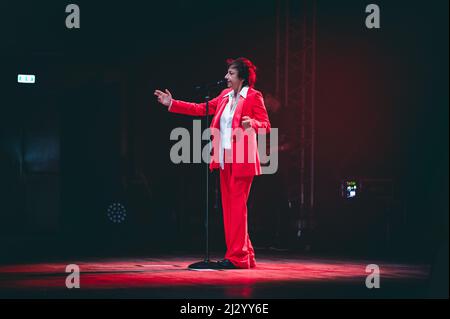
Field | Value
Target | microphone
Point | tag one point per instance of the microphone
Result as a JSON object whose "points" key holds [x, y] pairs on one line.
{"points": [[211, 85]]}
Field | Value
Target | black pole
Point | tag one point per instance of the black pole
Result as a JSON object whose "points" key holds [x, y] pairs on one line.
{"points": [[207, 188], [206, 263]]}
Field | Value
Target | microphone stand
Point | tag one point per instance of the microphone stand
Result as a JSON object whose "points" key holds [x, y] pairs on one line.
{"points": [[206, 263]]}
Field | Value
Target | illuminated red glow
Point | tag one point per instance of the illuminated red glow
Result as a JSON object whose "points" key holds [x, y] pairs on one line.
{"points": [[173, 272]]}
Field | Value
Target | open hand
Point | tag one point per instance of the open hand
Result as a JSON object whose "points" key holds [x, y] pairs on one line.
{"points": [[164, 98]]}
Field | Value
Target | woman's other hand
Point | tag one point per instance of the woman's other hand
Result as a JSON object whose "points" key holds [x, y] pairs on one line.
{"points": [[246, 122]]}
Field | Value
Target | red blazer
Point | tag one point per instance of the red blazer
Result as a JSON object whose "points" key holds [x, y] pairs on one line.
{"points": [[246, 164]]}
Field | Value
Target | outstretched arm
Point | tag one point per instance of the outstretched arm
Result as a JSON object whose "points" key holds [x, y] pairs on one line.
{"points": [[177, 106]]}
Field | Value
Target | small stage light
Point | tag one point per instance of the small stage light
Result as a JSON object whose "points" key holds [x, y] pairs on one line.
{"points": [[349, 189], [117, 213], [375, 188]]}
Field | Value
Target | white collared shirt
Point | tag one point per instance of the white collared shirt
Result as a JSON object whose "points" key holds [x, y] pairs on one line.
{"points": [[226, 121]]}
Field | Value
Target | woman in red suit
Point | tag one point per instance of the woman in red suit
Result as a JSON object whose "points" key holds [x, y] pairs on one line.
{"points": [[238, 115]]}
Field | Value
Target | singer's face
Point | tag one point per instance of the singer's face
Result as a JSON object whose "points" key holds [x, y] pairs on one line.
{"points": [[233, 80]]}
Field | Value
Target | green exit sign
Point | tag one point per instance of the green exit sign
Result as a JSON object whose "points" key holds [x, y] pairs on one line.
{"points": [[26, 78]]}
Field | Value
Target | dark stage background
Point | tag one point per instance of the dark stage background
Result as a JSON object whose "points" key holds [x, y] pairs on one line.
{"points": [[90, 132]]}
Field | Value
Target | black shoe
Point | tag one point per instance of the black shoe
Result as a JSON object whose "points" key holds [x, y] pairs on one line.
{"points": [[226, 264], [204, 265]]}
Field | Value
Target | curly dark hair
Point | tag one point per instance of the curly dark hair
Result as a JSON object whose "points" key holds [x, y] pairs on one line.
{"points": [[246, 70]]}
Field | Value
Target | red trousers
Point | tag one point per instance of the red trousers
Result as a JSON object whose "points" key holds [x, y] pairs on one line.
{"points": [[235, 191]]}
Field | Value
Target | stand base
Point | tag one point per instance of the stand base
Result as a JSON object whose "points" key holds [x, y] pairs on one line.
{"points": [[204, 265]]}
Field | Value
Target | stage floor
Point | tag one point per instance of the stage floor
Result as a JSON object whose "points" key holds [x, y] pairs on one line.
{"points": [[274, 277]]}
